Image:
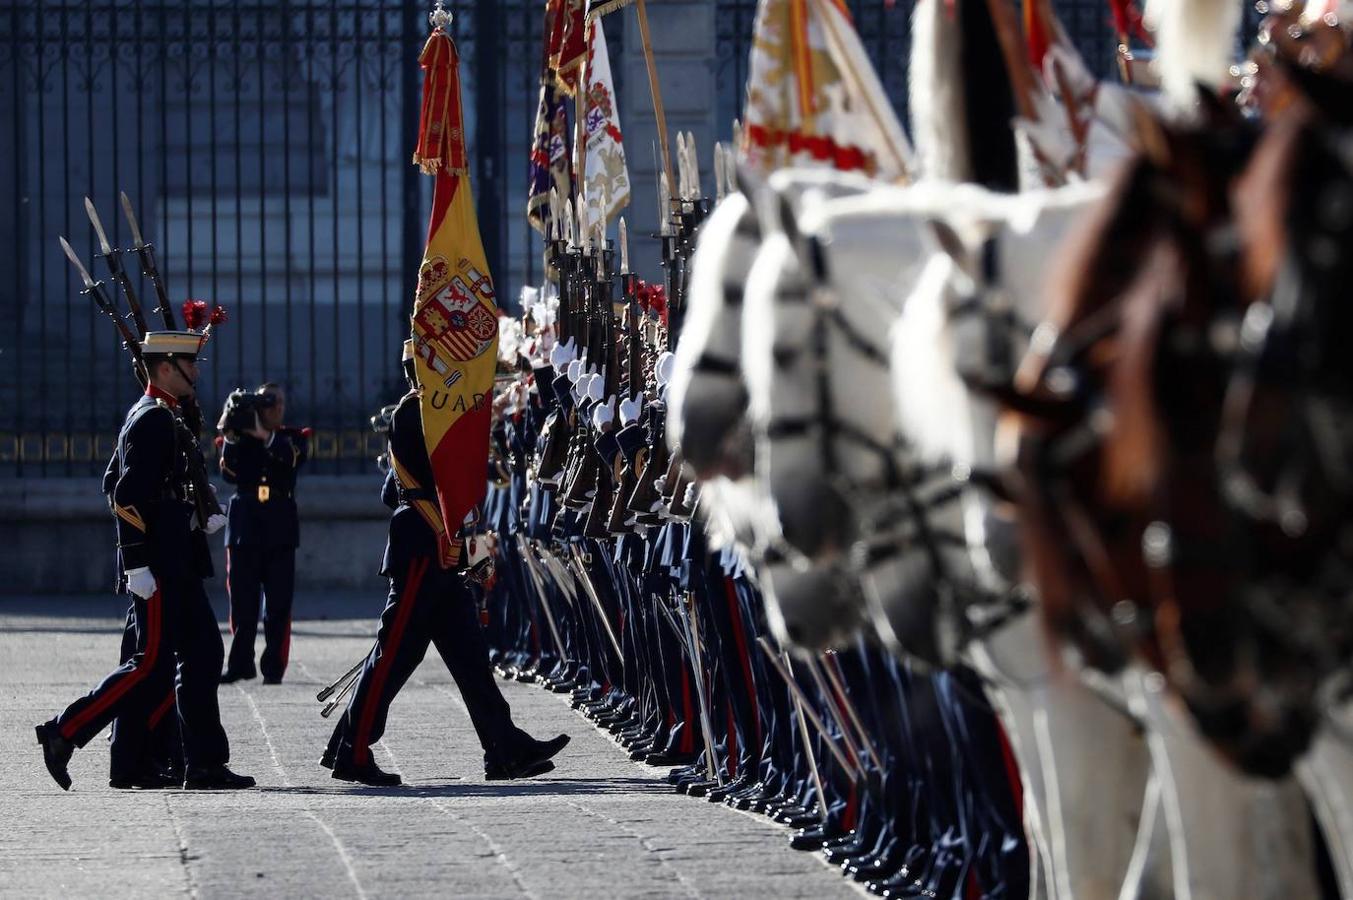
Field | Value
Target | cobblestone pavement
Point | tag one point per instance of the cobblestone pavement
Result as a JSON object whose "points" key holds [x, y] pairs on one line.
{"points": [[598, 825]]}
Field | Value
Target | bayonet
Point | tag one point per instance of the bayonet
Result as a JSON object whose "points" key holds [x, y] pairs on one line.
{"points": [[146, 253], [694, 166], [79, 266], [624, 248], [98, 227], [720, 187], [106, 306], [131, 221], [113, 257]]}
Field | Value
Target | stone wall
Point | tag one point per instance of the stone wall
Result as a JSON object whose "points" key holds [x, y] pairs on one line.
{"points": [[58, 536]]}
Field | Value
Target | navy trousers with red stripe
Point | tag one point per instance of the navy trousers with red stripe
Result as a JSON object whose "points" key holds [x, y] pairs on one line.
{"points": [[427, 605], [140, 745], [260, 578], [180, 631]]}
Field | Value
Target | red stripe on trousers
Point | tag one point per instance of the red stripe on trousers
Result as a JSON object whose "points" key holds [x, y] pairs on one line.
{"points": [[138, 673], [687, 716], [744, 652], [361, 751], [1011, 769], [162, 710]]}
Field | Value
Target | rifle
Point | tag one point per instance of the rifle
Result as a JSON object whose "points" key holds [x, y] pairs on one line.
{"points": [[199, 487], [113, 257], [106, 306], [608, 474], [146, 253]]}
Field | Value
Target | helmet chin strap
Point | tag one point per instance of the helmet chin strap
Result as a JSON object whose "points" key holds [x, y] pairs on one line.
{"points": [[191, 382]]}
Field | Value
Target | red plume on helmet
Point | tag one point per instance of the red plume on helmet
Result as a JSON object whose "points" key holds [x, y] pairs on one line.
{"points": [[195, 314]]}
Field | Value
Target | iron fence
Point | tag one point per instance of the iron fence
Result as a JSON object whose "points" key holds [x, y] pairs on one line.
{"points": [[266, 145]]}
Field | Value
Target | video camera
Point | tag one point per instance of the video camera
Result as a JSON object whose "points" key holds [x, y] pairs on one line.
{"points": [[243, 410]]}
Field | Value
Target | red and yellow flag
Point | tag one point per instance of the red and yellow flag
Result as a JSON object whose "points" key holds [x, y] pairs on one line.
{"points": [[455, 322]]}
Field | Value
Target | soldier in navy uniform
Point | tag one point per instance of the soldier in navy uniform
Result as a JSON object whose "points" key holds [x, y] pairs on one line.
{"points": [[429, 602], [262, 535], [162, 559]]}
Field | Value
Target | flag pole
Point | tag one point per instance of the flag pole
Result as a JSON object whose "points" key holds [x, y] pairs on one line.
{"points": [[654, 88]]}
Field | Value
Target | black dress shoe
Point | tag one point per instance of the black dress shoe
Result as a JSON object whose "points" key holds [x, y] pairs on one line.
{"points": [[229, 677], [215, 778], [369, 774], [56, 753], [327, 760], [529, 761], [268, 679], [154, 780], [499, 772]]}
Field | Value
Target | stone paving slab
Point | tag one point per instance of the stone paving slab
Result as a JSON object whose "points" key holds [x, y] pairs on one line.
{"points": [[598, 825]]}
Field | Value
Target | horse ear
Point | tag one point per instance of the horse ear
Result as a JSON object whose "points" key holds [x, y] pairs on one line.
{"points": [[1152, 140]]}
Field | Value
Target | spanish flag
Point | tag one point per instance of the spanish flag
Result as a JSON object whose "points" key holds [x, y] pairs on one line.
{"points": [[455, 321]]}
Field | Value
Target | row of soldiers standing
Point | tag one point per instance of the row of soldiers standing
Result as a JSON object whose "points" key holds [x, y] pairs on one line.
{"points": [[608, 588]]}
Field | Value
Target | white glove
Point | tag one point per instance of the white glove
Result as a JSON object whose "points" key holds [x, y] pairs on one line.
{"points": [[215, 522], [140, 582], [666, 363], [594, 388], [691, 497], [630, 408], [561, 355], [602, 415], [575, 370], [660, 484]]}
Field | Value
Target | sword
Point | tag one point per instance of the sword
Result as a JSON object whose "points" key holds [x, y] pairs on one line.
{"points": [[697, 653], [831, 665], [113, 257], [146, 253], [106, 306], [342, 680], [856, 754], [561, 575], [782, 666], [524, 548], [581, 570]]}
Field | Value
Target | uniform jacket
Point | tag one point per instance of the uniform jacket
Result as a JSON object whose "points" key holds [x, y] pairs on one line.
{"points": [[416, 528], [146, 483], [263, 511]]}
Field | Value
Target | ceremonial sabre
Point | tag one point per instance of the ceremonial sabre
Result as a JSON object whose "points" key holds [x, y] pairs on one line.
{"points": [[693, 635], [830, 665], [782, 666]]}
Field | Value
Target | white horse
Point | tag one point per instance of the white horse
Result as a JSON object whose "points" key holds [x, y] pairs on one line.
{"points": [[969, 323]]}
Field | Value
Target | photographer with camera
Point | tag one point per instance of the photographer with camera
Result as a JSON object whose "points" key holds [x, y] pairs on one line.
{"points": [[261, 457]]}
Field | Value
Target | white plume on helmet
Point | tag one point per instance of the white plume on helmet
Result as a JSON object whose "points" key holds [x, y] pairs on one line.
{"points": [[1195, 43]]}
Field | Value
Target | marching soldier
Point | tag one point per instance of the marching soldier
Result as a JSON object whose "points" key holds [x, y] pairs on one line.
{"points": [[262, 535], [430, 602], [162, 559]]}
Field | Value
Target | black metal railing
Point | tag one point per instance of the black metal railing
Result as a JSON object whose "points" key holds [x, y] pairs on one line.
{"points": [[266, 146]]}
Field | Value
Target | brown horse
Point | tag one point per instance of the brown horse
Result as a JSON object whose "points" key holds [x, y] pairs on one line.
{"points": [[1182, 458]]}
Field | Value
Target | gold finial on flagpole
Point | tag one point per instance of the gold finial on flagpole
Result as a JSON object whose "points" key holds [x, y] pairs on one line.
{"points": [[440, 17]]}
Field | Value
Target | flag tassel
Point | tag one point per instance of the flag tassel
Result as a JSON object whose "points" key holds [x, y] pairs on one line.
{"points": [[441, 134]]}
